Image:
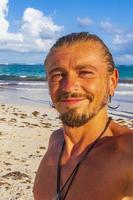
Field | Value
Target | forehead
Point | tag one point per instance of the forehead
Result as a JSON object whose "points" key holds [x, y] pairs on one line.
{"points": [[76, 54]]}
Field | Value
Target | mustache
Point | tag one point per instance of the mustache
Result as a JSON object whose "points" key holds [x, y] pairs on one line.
{"points": [[66, 95]]}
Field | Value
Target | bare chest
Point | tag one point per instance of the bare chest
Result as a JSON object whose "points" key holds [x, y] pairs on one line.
{"points": [[96, 178], [99, 177], [94, 181]]}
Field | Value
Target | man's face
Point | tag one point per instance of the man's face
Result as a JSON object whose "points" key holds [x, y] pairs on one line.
{"points": [[78, 82]]}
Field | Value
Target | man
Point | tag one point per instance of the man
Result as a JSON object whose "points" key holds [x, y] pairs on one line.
{"points": [[91, 157]]}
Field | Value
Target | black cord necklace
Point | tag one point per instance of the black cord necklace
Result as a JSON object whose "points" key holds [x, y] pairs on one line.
{"points": [[69, 181]]}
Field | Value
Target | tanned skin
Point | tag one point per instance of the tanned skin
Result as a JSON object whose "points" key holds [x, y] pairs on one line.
{"points": [[107, 171]]}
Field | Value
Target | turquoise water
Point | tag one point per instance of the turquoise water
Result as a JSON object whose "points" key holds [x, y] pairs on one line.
{"points": [[18, 72], [23, 72], [125, 72]]}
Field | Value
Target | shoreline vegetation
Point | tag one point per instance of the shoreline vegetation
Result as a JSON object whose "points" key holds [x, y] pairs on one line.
{"points": [[24, 136]]}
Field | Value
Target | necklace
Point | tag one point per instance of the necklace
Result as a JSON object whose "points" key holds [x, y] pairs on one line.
{"points": [[65, 188]]}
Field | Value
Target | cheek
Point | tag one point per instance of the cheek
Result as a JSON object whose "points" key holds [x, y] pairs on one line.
{"points": [[97, 88], [53, 90], [90, 86]]}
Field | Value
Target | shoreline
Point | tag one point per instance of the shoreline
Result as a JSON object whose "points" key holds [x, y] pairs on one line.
{"points": [[24, 136], [36, 93]]}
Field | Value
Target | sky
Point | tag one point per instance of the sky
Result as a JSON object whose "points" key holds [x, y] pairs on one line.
{"points": [[28, 28]]}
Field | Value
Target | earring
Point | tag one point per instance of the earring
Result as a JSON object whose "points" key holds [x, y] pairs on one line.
{"points": [[110, 98], [51, 104], [109, 101]]}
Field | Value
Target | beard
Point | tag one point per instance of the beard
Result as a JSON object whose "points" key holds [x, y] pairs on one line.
{"points": [[73, 118]]}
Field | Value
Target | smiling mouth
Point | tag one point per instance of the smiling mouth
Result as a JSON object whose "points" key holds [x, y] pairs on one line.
{"points": [[72, 100]]}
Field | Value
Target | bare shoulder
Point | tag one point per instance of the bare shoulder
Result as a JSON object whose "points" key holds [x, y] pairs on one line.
{"points": [[56, 137], [125, 145], [123, 136], [125, 153], [51, 154], [48, 161], [118, 129], [125, 142]]}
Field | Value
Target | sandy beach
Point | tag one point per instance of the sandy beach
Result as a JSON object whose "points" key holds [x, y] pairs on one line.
{"points": [[24, 135]]}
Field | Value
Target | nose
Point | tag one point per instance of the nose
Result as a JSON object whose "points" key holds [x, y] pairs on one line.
{"points": [[70, 84]]}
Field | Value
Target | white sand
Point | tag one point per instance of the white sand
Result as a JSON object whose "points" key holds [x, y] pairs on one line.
{"points": [[23, 142]]}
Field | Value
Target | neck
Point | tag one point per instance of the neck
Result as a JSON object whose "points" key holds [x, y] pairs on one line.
{"points": [[77, 139]]}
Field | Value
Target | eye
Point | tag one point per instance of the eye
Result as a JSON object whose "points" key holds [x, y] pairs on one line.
{"points": [[56, 77], [85, 73]]}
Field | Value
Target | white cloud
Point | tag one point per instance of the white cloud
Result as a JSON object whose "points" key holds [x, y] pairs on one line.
{"points": [[36, 34], [123, 43], [109, 27], [84, 21], [3, 7], [126, 59], [123, 39], [4, 24], [35, 23], [123, 46]]}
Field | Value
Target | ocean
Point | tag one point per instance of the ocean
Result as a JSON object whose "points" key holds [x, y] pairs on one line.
{"points": [[36, 72], [26, 84]]}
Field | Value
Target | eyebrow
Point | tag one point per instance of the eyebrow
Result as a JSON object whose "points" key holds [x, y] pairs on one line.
{"points": [[82, 66], [56, 69], [78, 67]]}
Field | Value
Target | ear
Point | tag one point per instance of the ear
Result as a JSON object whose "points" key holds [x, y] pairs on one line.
{"points": [[113, 81]]}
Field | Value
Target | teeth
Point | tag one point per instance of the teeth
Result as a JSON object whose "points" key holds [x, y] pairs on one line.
{"points": [[71, 99]]}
